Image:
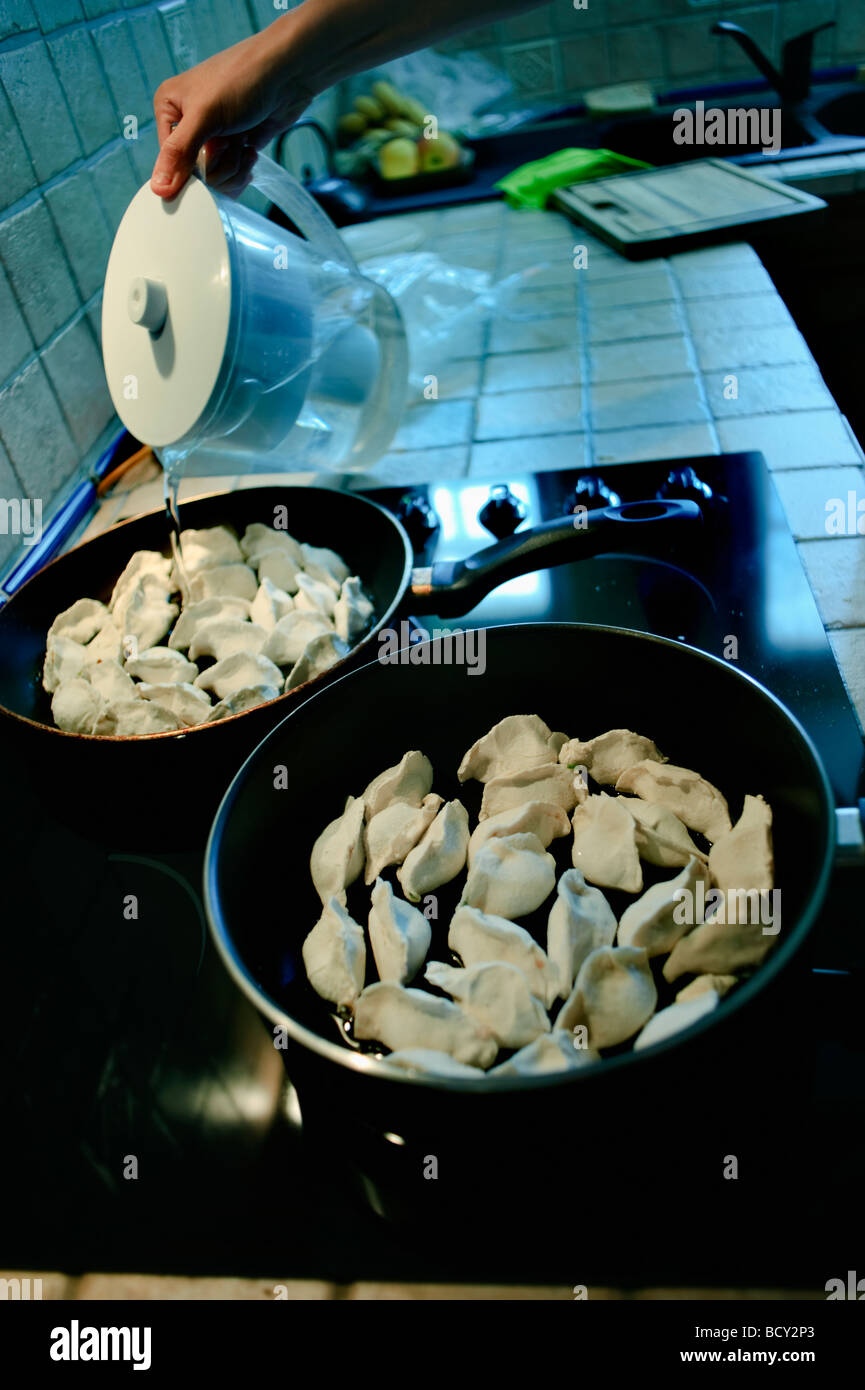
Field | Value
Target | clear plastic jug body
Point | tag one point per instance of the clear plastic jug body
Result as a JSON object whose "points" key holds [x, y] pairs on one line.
{"points": [[314, 367]]}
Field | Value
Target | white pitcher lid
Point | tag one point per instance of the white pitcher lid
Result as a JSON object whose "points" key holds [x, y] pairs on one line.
{"points": [[166, 310]]}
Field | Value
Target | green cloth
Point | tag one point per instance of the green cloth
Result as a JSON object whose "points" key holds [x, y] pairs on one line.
{"points": [[530, 185]]}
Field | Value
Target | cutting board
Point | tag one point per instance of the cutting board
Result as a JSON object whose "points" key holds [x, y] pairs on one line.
{"points": [[654, 212]]}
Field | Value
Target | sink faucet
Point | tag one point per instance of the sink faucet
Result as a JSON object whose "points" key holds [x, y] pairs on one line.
{"points": [[793, 82]]}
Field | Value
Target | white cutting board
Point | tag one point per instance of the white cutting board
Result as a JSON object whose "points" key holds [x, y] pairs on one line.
{"points": [[643, 213]]}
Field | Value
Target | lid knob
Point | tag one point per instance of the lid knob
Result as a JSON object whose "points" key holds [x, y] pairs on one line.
{"points": [[147, 303]]}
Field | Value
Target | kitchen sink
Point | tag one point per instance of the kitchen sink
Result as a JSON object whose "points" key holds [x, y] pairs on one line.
{"points": [[830, 121], [651, 138], [844, 114]]}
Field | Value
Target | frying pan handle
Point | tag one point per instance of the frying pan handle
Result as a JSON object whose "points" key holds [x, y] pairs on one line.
{"points": [[452, 587]]}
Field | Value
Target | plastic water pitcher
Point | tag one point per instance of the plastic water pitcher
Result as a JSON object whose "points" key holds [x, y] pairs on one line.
{"points": [[230, 342]]}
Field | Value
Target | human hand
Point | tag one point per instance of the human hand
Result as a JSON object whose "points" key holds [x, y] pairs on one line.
{"points": [[228, 107]]}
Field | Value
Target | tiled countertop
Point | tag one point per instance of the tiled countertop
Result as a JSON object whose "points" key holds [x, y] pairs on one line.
{"points": [[617, 362]]}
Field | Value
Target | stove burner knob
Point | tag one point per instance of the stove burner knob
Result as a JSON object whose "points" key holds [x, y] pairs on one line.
{"points": [[684, 483], [592, 492], [502, 513], [419, 518]]}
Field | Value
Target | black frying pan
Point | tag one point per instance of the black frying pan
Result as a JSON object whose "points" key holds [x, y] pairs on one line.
{"points": [[165, 787], [703, 714]]}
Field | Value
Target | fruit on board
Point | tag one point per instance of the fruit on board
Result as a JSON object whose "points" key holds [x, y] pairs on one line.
{"points": [[399, 126], [414, 111], [399, 158], [441, 152], [387, 95], [352, 124]]}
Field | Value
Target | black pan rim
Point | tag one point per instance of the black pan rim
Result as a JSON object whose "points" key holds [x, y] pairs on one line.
{"points": [[777, 960], [309, 686]]}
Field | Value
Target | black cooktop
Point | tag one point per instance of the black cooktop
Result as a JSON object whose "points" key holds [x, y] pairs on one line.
{"points": [[149, 1124]]}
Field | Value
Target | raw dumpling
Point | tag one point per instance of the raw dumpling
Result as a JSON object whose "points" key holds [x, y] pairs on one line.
{"points": [[539, 818], [409, 780], [269, 605], [439, 855], [352, 611], [334, 954], [144, 612], [651, 922], [605, 845], [319, 561], [190, 706], [743, 857], [143, 562], [551, 782], [550, 1052], [613, 997], [206, 611], [580, 921], [337, 855], [280, 568], [516, 742], [320, 654], [478, 936], [497, 995], [395, 831], [721, 984], [259, 540], [64, 660], [288, 641], [510, 877], [205, 549], [131, 718], [721, 945], [110, 679], [234, 672], [428, 1059], [609, 755], [107, 645], [222, 637], [662, 839], [161, 666], [399, 935], [81, 622], [219, 580], [675, 1017], [400, 1018], [694, 800], [314, 596], [247, 697], [76, 706]]}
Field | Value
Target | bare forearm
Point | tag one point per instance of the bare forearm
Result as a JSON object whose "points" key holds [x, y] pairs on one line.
{"points": [[232, 104], [328, 40]]}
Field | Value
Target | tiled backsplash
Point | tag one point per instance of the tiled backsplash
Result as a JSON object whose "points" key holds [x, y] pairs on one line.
{"points": [[562, 50], [72, 73]]}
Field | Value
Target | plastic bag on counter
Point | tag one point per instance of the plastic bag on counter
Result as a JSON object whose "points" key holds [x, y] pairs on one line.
{"points": [[439, 302]]}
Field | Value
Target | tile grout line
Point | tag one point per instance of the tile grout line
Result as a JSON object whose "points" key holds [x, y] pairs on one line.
{"points": [[679, 301], [584, 352], [84, 164]]}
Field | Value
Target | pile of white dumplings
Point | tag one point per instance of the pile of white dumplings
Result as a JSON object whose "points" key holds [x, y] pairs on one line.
{"points": [[264, 613], [597, 971]]}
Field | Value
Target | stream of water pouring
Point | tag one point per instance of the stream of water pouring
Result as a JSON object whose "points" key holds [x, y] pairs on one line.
{"points": [[172, 472]]}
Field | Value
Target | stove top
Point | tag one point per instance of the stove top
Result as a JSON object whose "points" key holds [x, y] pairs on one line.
{"points": [[149, 1123]]}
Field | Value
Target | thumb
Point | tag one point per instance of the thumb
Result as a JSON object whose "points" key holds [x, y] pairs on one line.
{"points": [[178, 153]]}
